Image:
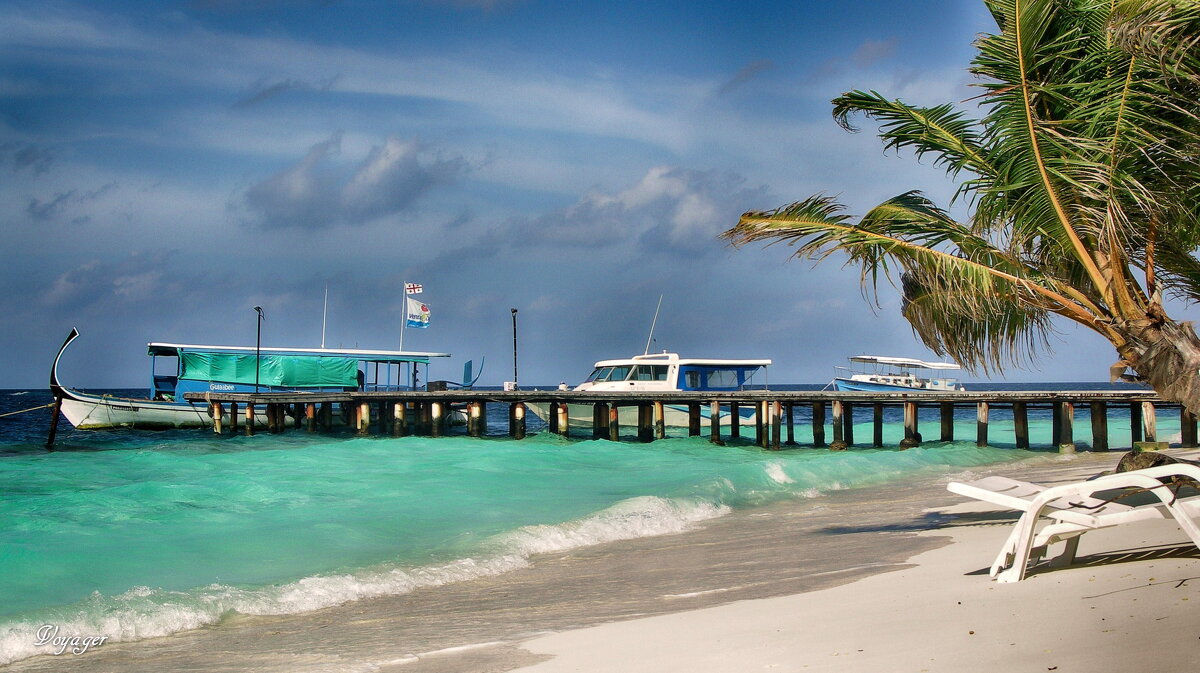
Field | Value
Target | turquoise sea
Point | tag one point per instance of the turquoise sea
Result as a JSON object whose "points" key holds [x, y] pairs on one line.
{"points": [[137, 534]]}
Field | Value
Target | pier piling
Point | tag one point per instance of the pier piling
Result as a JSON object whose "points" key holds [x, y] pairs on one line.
{"points": [[714, 423]]}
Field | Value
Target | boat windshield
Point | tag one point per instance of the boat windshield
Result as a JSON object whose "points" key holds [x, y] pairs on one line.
{"points": [[610, 374]]}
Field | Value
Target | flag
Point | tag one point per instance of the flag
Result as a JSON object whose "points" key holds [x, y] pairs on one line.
{"points": [[412, 288], [418, 313]]}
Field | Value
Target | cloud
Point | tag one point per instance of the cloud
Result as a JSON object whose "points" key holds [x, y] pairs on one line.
{"points": [[265, 92], [747, 73], [26, 156], [99, 285], [57, 206], [871, 52], [312, 194], [670, 211]]}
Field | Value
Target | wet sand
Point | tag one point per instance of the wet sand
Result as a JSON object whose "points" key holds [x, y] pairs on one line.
{"points": [[792, 550]]}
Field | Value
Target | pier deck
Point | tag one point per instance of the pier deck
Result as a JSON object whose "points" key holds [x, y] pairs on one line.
{"points": [[427, 412]]}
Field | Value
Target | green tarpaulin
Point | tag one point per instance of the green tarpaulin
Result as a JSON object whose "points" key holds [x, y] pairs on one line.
{"points": [[291, 371]]}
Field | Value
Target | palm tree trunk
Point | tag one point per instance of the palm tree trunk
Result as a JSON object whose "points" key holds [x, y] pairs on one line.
{"points": [[1166, 356]]}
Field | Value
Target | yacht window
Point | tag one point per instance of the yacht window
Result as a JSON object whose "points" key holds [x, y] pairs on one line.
{"points": [[599, 374], [619, 374], [722, 378], [650, 373], [693, 378]]}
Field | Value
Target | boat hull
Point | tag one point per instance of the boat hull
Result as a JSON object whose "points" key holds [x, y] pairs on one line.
{"points": [[674, 415], [87, 411], [848, 385]]}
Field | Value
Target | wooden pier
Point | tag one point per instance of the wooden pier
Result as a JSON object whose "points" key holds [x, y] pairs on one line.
{"points": [[428, 413]]}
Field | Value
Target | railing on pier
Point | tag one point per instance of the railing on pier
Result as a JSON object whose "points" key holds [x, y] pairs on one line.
{"points": [[427, 413]]}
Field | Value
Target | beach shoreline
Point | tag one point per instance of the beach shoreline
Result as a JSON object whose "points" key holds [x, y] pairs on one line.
{"points": [[761, 566]]}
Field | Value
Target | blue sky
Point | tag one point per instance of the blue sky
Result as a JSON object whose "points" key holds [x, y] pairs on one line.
{"points": [[169, 165]]}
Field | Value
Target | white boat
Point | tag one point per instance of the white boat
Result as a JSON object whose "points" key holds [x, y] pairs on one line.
{"points": [[197, 368], [890, 374], [665, 372]]}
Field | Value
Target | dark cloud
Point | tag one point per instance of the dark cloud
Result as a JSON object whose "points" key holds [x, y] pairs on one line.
{"points": [[264, 91], [98, 286], [26, 156], [56, 207], [747, 73], [312, 195]]}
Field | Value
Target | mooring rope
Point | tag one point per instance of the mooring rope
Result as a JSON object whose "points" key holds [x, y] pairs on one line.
{"points": [[13, 413]]}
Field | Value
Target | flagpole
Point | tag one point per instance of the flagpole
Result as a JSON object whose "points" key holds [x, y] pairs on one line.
{"points": [[403, 313]]}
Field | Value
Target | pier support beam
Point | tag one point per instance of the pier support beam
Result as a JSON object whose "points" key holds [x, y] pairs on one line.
{"points": [[476, 419], [848, 423], [776, 413], [600, 421], [760, 424], [310, 417], [982, 411], [645, 428], [564, 421], [516, 420], [735, 420], [1135, 423], [1066, 423], [714, 423], [1150, 421], [947, 422], [877, 424], [912, 435], [660, 421], [437, 418], [1099, 414], [614, 423], [693, 419], [399, 419], [818, 424], [1187, 429], [249, 419], [364, 418], [789, 410], [838, 443], [215, 409], [233, 418], [1021, 424]]}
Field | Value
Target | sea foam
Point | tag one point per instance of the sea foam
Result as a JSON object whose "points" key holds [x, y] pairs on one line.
{"points": [[144, 612]]}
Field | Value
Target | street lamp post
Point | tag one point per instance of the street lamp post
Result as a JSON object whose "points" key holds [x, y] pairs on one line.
{"points": [[514, 319], [258, 345]]}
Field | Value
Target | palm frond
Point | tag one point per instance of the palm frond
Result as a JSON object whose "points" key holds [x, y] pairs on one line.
{"points": [[948, 134]]}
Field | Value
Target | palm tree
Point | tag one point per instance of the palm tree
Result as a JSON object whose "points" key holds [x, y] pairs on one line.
{"points": [[1082, 180]]}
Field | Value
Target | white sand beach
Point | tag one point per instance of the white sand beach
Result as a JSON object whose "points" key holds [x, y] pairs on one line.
{"points": [[1131, 603]]}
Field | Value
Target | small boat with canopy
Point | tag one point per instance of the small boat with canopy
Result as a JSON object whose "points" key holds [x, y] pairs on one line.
{"points": [[892, 374], [176, 369]]}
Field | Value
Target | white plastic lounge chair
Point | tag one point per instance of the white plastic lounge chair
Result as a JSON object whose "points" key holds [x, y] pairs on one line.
{"points": [[1074, 509]]}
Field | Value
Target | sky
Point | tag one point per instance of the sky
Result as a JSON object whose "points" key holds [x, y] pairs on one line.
{"points": [[167, 165]]}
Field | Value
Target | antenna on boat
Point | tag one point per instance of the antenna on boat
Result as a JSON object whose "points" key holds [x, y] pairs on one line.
{"points": [[324, 312], [652, 324]]}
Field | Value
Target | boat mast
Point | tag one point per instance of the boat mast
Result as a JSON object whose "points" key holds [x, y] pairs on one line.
{"points": [[324, 313], [652, 324]]}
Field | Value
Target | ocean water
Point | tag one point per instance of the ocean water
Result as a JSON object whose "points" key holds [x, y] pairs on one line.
{"points": [[135, 534]]}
